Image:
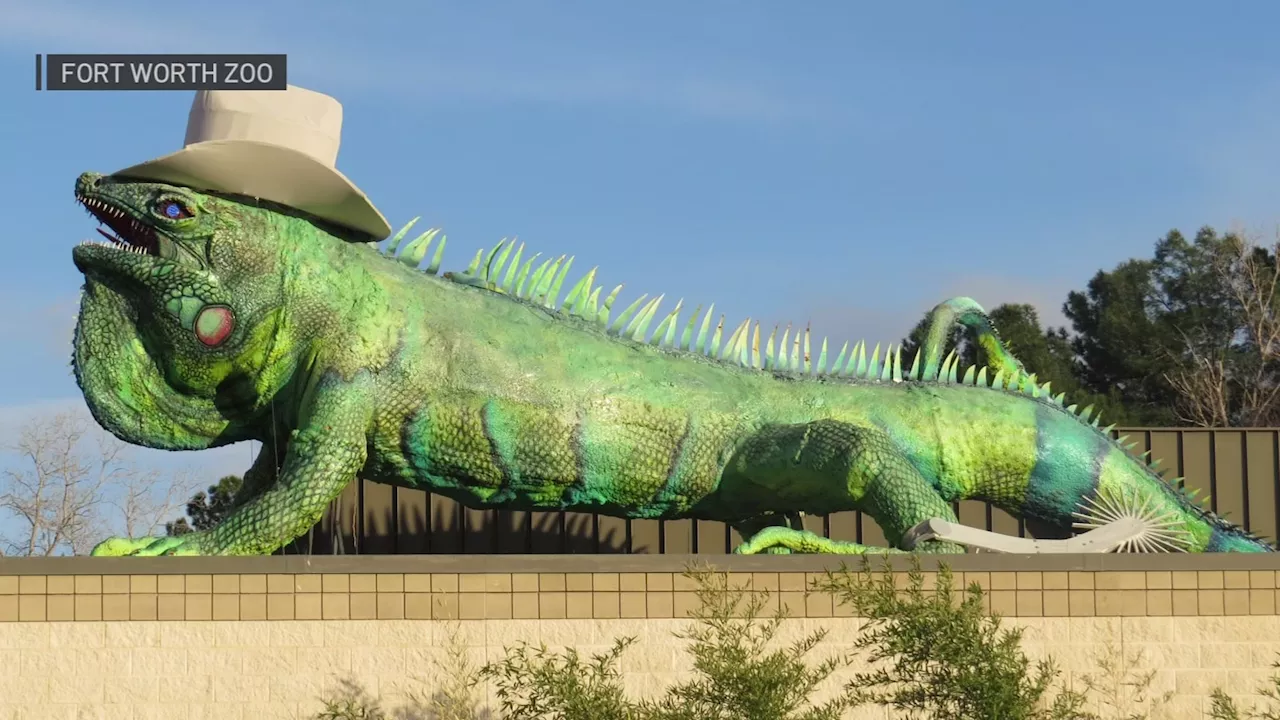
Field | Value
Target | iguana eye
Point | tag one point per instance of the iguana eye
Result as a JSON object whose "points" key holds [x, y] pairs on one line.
{"points": [[173, 209]]}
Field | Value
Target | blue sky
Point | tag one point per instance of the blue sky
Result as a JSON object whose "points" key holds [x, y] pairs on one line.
{"points": [[844, 163]]}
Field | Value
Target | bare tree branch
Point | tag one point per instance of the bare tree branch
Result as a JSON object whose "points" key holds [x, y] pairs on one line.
{"points": [[145, 500], [1203, 390], [1252, 277], [1232, 382], [74, 484]]}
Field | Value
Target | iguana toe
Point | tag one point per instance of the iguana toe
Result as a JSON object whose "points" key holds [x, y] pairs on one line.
{"points": [[121, 546], [189, 544]]}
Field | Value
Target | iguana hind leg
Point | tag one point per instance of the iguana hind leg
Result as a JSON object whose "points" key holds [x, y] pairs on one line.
{"points": [[828, 465], [752, 527], [780, 540]]}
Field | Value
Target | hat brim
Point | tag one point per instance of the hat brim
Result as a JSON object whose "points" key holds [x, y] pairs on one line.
{"points": [[269, 172]]}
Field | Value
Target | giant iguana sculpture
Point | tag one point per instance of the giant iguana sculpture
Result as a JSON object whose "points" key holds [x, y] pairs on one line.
{"points": [[207, 320]]}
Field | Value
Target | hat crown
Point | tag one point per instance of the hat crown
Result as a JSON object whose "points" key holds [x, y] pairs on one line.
{"points": [[277, 145], [296, 118]]}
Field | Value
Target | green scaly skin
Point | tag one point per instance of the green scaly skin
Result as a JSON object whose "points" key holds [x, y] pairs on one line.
{"points": [[223, 319]]}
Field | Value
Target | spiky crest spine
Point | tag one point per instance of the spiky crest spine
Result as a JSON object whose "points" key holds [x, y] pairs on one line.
{"points": [[541, 288]]}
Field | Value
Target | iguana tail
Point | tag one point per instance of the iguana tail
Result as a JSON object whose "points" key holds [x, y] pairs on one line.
{"points": [[968, 313]]}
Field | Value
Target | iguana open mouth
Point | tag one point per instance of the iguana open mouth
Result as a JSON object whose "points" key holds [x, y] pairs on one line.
{"points": [[126, 233]]}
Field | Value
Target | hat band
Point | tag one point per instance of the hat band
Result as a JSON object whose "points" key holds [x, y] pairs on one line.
{"points": [[211, 125]]}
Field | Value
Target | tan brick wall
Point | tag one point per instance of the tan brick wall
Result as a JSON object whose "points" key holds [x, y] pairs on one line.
{"points": [[279, 669], [193, 638], [602, 595]]}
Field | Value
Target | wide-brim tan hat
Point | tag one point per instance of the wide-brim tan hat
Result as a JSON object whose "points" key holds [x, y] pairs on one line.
{"points": [[277, 145]]}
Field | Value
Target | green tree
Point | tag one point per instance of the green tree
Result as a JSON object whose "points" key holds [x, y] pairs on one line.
{"points": [[207, 508], [1187, 337], [1115, 338], [1190, 336], [936, 652]]}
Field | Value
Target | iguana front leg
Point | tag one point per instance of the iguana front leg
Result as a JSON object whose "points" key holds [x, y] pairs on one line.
{"points": [[263, 473], [323, 457], [828, 463]]}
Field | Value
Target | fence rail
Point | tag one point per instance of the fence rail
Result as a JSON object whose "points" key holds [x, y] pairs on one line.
{"points": [[1239, 469]]}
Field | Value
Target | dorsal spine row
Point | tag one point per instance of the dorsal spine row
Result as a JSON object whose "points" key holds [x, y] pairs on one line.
{"points": [[541, 287]]}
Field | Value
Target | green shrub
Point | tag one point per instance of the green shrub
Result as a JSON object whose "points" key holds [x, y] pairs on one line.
{"points": [[941, 655], [1224, 706], [936, 653], [1122, 690], [455, 698], [736, 675], [537, 684], [352, 702]]}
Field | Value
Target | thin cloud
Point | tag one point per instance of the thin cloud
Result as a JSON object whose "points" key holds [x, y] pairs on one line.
{"points": [[1043, 293], [63, 27], [14, 417], [412, 76], [892, 320], [47, 328], [1240, 159]]}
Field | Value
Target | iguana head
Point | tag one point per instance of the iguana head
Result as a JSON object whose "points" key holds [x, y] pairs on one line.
{"points": [[180, 339]]}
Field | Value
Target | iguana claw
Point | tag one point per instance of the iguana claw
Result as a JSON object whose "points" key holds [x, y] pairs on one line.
{"points": [[189, 544]]}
